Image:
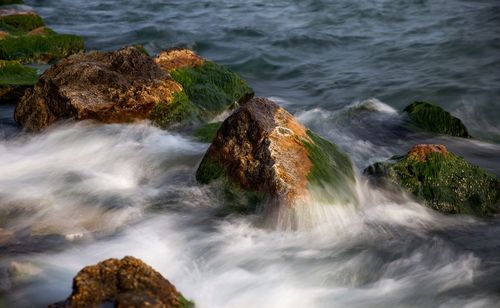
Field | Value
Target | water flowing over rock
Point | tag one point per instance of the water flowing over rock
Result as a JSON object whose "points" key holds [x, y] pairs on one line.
{"points": [[435, 119], [263, 151], [128, 282], [126, 85], [446, 182]]}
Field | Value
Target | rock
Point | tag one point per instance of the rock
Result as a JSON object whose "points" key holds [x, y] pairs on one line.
{"points": [[104, 86], [128, 282], [435, 119], [122, 86], [444, 181], [14, 80], [211, 87], [26, 39], [262, 151]]}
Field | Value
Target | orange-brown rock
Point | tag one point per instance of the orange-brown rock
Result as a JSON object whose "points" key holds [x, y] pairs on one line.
{"points": [[128, 282], [3, 35], [421, 152], [176, 58], [263, 148], [104, 86]]}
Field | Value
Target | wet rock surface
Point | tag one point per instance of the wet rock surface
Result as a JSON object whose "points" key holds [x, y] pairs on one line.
{"points": [[128, 282], [262, 148], [443, 180]]}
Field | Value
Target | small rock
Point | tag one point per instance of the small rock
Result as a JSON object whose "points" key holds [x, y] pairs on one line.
{"points": [[128, 282]]}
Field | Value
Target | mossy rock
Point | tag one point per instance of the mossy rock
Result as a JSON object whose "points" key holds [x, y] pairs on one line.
{"points": [[443, 180], [212, 87], [15, 79], [40, 48], [264, 156], [206, 133], [19, 23], [435, 119]]}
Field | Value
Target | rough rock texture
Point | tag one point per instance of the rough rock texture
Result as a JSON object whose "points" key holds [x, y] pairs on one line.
{"points": [[435, 119], [176, 58], [128, 282], [105, 86], [126, 85], [445, 182], [262, 148]]}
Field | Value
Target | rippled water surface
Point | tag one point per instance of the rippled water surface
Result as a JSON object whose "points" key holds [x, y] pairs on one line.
{"points": [[79, 193]]}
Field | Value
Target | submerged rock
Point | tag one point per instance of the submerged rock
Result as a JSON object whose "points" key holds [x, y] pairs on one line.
{"points": [[123, 86], [262, 152], [128, 282], [444, 181], [435, 119], [14, 80]]}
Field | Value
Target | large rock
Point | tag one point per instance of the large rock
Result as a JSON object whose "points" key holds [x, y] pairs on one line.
{"points": [[444, 181], [263, 151], [126, 85], [128, 282], [435, 119]]}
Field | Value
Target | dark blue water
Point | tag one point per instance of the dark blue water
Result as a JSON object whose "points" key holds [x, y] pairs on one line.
{"points": [[80, 193]]}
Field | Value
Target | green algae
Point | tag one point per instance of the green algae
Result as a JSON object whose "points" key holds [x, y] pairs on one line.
{"points": [[207, 132], [40, 49], [208, 171], [184, 303], [448, 184], [181, 109], [16, 23], [435, 119], [141, 48], [212, 87], [14, 73], [332, 176]]}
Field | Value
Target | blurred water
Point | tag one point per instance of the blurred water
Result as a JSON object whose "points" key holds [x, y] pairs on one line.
{"points": [[80, 192]]}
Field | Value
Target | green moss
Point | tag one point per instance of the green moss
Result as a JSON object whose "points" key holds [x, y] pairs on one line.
{"points": [[181, 109], [14, 73], [141, 48], [207, 132], [212, 87], [184, 303], [41, 49], [21, 22], [435, 119], [208, 171], [332, 176], [448, 183]]}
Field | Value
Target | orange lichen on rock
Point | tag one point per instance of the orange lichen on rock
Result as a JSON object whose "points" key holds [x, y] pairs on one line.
{"points": [[260, 147], [176, 58], [109, 87], [421, 152], [3, 35]]}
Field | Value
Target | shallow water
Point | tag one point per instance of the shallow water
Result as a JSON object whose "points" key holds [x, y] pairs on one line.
{"points": [[79, 193]]}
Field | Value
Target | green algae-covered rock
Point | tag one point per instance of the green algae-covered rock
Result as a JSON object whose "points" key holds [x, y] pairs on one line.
{"points": [[211, 87], [435, 119], [25, 38], [128, 282], [261, 153], [443, 180], [15, 79]]}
